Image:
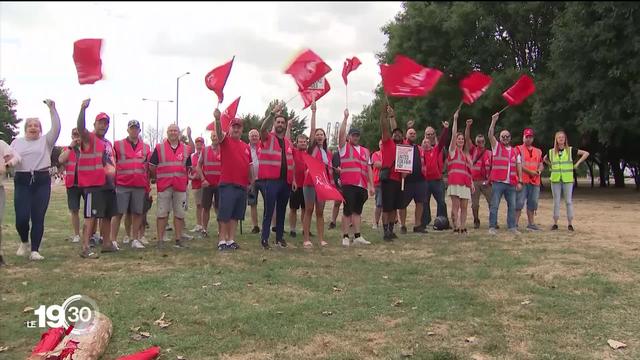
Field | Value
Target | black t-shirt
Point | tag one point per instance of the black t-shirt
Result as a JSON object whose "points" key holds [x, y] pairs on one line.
{"points": [[416, 174], [283, 161], [335, 162], [154, 157], [574, 153], [76, 150]]}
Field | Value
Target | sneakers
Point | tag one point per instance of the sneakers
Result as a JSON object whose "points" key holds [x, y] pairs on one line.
{"points": [[233, 246], [420, 229], [186, 237], [492, 231], [332, 225], [393, 236], [144, 241], [515, 231], [281, 243], [23, 249], [196, 228], [89, 254], [136, 244], [533, 227], [265, 245], [292, 234], [126, 239], [179, 245], [255, 230], [222, 246], [36, 256], [115, 245], [476, 224], [346, 241], [570, 227], [554, 227], [403, 229], [75, 239], [360, 240], [387, 236]]}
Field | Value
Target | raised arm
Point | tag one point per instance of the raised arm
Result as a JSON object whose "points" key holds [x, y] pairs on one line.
{"points": [[287, 134], [492, 130], [192, 146], [384, 122], [467, 135], [391, 114], [454, 131], [267, 122], [82, 128], [342, 133], [54, 132], [583, 156], [444, 136], [313, 119]]}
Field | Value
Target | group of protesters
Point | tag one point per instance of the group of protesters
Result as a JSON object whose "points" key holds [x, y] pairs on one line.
{"points": [[115, 180]]}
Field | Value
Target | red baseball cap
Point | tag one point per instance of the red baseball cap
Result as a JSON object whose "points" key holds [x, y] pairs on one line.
{"points": [[527, 132], [235, 121], [102, 116], [199, 138]]}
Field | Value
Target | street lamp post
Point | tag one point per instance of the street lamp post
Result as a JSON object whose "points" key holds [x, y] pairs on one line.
{"points": [[114, 125], [157, 114], [178, 96]]}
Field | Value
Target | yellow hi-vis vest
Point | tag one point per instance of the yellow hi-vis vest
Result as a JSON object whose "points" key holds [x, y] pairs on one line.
{"points": [[561, 166]]}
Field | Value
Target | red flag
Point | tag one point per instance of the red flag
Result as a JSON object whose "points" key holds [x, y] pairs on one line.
{"points": [[473, 86], [349, 66], [49, 340], [316, 90], [216, 79], [317, 170], [227, 115], [522, 89], [406, 78], [86, 55], [307, 68], [148, 354]]}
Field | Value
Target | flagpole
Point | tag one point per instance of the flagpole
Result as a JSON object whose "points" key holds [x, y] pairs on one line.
{"points": [[460, 105], [293, 97], [503, 109]]}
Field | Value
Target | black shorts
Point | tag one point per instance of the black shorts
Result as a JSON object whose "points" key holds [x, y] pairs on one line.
{"points": [[100, 204], [415, 191], [392, 197], [210, 197], [296, 199], [147, 203], [73, 198], [354, 199]]}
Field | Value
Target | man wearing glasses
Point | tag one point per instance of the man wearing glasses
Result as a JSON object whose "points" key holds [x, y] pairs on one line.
{"points": [[434, 162], [506, 177]]}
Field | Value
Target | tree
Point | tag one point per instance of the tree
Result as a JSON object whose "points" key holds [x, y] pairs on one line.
{"points": [[8, 120], [298, 126], [152, 137]]}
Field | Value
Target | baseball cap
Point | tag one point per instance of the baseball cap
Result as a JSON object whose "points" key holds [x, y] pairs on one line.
{"points": [[527, 132], [397, 129], [353, 131], [102, 116], [200, 138], [235, 121], [133, 123]]}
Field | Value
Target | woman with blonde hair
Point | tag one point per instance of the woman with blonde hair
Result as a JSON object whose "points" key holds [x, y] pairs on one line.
{"points": [[459, 178], [560, 160]]}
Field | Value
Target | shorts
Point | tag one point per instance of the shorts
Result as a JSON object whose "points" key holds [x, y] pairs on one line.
{"points": [[252, 195], [296, 199], [310, 196], [529, 193], [130, 200], [210, 196], [354, 197], [100, 204], [73, 198], [148, 202], [415, 191], [378, 196], [233, 198], [392, 198], [197, 195], [169, 200]]}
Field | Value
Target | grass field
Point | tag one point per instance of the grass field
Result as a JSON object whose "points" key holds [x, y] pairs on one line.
{"points": [[547, 295]]}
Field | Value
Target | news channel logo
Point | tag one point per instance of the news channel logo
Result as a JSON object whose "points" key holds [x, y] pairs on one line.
{"points": [[79, 311]]}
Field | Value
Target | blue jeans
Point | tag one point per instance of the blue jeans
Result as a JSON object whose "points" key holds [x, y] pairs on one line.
{"points": [[31, 200], [435, 188], [275, 194], [509, 191]]}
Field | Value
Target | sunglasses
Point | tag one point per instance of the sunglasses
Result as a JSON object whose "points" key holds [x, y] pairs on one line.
{"points": [[505, 136]]}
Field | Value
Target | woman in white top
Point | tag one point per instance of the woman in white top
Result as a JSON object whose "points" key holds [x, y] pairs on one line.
{"points": [[32, 180], [8, 157]]}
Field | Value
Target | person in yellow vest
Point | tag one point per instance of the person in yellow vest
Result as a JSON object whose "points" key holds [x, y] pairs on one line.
{"points": [[560, 159], [530, 159]]}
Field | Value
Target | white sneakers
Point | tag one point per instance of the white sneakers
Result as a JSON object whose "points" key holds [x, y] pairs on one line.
{"points": [[144, 241], [360, 240], [492, 231], [136, 244], [75, 239], [346, 241], [23, 249], [197, 228], [36, 256], [126, 239]]}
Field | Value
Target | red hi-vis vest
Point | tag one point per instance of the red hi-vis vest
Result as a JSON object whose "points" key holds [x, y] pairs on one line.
{"points": [[91, 171], [354, 167], [211, 166], [502, 163], [172, 167], [270, 159], [131, 164], [459, 171], [481, 169], [70, 170], [531, 161], [196, 183]]}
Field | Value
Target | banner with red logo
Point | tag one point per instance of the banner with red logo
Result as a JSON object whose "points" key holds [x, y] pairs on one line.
{"points": [[349, 66], [473, 86], [306, 69], [406, 78], [216, 79], [316, 90], [321, 183], [522, 89]]}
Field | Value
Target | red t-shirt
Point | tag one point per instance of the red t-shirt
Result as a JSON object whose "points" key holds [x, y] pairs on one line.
{"points": [[375, 157], [389, 157], [235, 158], [301, 167]]}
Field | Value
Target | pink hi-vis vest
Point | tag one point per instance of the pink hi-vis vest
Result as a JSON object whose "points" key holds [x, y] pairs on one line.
{"points": [[211, 166], [195, 183], [354, 167], [131, 164], [91, 171], [70, 170], [270, 159], [459, 169], [481, 169], [502, 163], [172, 167]]}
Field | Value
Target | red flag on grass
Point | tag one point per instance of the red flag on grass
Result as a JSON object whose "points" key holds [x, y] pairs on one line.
{"points": [[316, 90], [406, 78], [227, 115], [306, 69], [521, 90], [49, 340], [317, 170], [216, 79], [349, 66], [86, 55], [473, 86], [148, 354]]}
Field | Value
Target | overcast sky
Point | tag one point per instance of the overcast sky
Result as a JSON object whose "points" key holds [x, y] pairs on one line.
{"points": [[147, 45]]}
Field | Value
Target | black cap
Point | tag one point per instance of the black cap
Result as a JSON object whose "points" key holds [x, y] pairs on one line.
{"points": [[134, 123], [398, 129], [354, 131]]}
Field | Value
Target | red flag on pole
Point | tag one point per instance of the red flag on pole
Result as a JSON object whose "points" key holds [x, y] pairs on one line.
{"points": [[318, 172], [473, 86], [306, 69], [227, 115], [86, 55], [521, 90], [349, 66], [316, 90], [216, 79], [406, 78], [148, 354]]}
